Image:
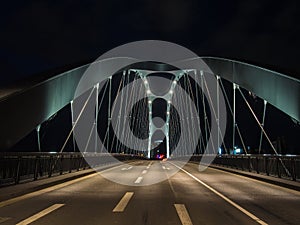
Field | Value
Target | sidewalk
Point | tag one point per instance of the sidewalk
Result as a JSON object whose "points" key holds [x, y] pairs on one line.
{"points": [[295, 185], [30, 186], [12, 191]]}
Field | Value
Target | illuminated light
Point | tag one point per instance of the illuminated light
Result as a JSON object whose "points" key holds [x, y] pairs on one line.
{"points": [[148, 92], [220, 151], [174, 82], [171, 91], [168, 112], [110, 77], [169, 102], [238, 151], [145, 82], [149, 101]]}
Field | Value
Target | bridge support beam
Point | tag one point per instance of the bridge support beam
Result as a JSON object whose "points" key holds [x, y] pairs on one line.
{"points": [[109, 114], [262, 124], [234, 119], [38, 128], [151, 96], [96, 117], [218, 111], [73, 124]]}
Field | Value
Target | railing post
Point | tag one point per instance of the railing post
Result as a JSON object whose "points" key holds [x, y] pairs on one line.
{"points": [[257, 166], [278, 167], [70, 164], [78, 159], [293, 169], [249, 163], [242, 163], [17, 172], [267, 165], [50, 167], [61, 164], [35, 176]]}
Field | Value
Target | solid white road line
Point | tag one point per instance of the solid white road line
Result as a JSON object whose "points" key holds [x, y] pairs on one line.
{"points": [[49, 189], [138, 180], [144, 171], [258, 181], [183, 214], [123, 202], [40, 214], [224, 197]]}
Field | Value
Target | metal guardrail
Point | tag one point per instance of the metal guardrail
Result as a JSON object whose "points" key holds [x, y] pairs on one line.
{"points": [[281, 166], [17, 167]]}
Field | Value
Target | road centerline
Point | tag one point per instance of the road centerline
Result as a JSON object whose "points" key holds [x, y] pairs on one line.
{"points": [[183, 214], [120, 207]]}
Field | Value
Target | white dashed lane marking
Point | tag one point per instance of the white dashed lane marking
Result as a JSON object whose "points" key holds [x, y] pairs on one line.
{"points": [[138, 180], [125, 168]]}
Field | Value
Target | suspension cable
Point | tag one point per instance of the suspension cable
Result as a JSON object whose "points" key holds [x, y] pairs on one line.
{"points": [[72, 130]]}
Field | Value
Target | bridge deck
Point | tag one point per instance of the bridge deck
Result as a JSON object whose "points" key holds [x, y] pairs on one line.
{"points": [[181, 199]]}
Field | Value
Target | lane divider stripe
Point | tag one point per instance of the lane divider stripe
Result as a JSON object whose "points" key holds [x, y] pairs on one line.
{"points": [[249, 214], [120, 207], [40, 214], [138, 180], [183, 214]]}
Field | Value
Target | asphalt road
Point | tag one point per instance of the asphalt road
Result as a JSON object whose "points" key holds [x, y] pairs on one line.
{"points": [[188, 197]]}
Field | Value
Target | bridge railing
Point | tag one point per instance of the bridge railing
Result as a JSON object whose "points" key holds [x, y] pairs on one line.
{"points": [[19, 167], [282, 166]]}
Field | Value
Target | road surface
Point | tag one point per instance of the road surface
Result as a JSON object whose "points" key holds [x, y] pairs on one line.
{"points": [[188, 197]]}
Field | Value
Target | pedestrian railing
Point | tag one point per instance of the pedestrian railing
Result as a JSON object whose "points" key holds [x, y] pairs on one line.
{"points": [[19, 167], [282, 166]]}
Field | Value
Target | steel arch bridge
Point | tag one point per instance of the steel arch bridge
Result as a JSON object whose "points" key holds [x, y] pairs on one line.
{"points": [[43, 100]]}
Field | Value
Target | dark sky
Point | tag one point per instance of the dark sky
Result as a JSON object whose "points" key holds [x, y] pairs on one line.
{"points": [[38, 36]]}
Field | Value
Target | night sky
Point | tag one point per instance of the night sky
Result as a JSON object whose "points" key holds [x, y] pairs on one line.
{"points": [[42, 36], [39, 36]]}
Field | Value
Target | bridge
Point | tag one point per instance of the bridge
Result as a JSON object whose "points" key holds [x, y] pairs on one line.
{"points": [[152, 143]]}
